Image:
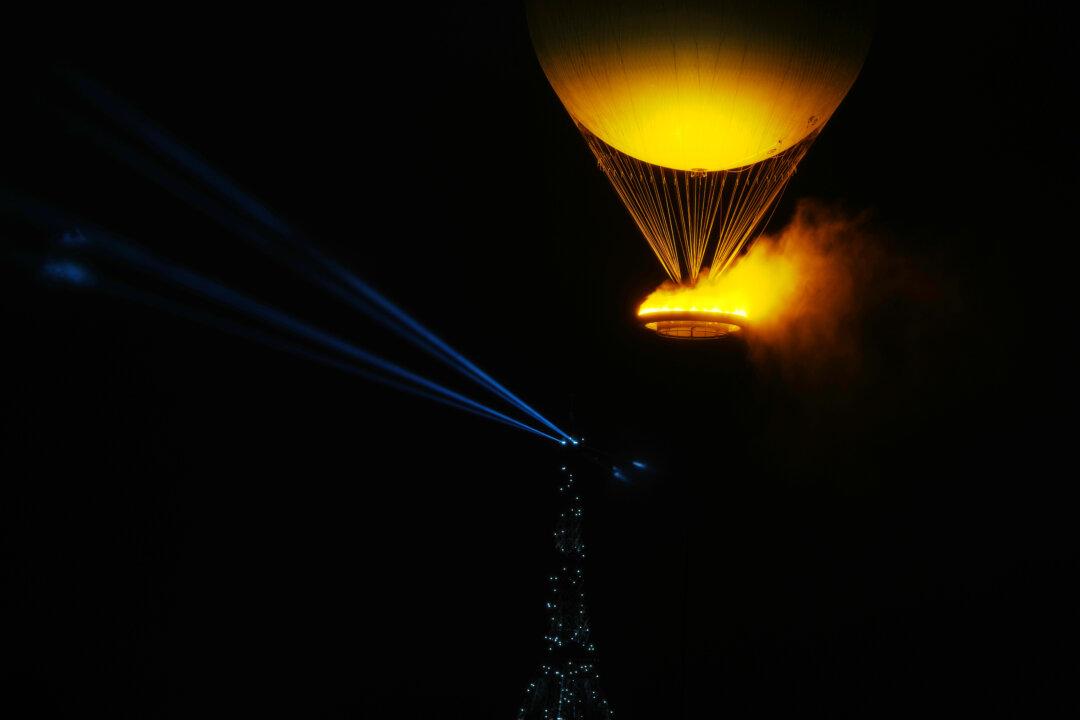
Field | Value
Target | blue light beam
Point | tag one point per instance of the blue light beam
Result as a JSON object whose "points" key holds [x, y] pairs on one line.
{"points": [[67, 271], [394, 317], [274, 342], [216, 292]]}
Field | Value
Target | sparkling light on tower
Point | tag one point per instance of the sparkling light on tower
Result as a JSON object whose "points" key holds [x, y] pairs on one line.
{"points": [[567, 686]]}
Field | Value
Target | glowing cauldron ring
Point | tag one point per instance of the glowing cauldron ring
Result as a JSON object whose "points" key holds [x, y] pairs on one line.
{"points": [[692, 324]]}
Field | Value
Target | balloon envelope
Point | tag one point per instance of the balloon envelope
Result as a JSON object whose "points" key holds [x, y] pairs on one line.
{"points": [[697, 85]]}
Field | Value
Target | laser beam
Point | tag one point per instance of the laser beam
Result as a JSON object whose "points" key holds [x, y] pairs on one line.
{"points": [[388, 313], [127, 252], [274, 342]]}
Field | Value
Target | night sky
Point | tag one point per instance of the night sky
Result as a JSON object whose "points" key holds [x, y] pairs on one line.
{"points": [[194, 525]]}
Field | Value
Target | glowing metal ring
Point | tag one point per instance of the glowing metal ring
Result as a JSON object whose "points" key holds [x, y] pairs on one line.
{"points": [[692, 324]]}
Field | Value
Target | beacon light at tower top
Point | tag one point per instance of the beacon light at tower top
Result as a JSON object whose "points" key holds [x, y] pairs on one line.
{"points": [[699, 112]]}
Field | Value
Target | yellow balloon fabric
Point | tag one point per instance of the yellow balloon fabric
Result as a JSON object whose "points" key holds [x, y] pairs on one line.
{"points": [[697, 85]]}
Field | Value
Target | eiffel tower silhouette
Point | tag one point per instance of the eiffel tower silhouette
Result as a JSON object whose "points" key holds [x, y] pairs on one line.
{"points": [[567, 686]]}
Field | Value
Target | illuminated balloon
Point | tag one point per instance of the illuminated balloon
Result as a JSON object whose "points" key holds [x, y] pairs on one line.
{"points": [[699, 112]]}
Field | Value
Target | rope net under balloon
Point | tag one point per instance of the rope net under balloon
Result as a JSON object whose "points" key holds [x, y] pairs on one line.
{"points": [[684, 213]]}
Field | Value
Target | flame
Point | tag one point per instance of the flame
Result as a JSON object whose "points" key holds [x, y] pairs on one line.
{"points": [[670, 308], [756, 288], [800, 277]]}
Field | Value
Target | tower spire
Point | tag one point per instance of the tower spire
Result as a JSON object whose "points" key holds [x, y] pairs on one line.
{"points": [[567, 686]]}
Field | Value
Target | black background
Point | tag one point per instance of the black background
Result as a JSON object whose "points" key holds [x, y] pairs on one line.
{"points": [[195, 525]]}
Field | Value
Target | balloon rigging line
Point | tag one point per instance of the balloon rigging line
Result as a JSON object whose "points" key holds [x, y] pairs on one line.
{"points": [[677, 210]]}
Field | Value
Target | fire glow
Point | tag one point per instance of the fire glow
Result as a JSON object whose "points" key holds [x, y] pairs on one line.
{"points": [[756, 288], [712, 310], [790, 277]]}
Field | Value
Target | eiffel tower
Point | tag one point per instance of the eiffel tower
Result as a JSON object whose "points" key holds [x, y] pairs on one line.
{"points": [[567, 686]]}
